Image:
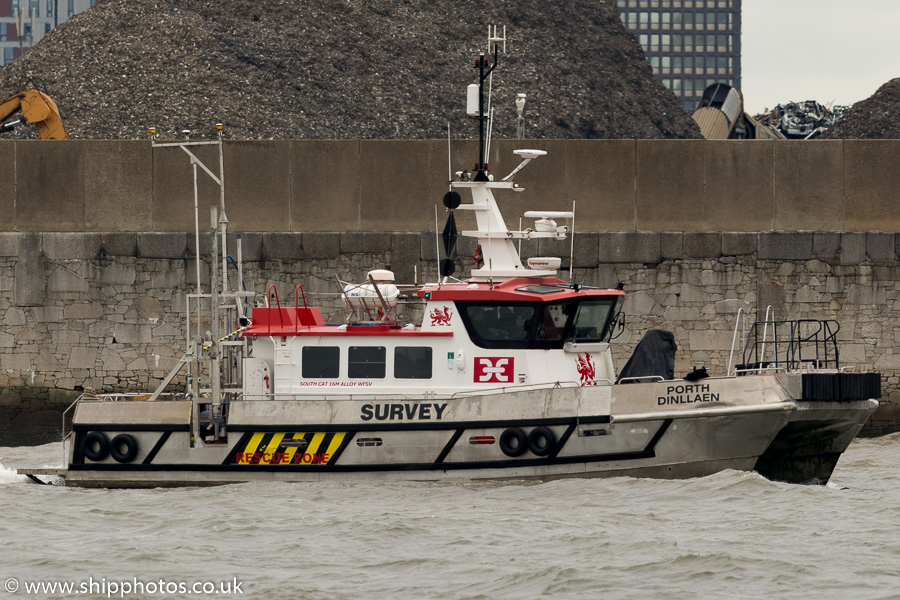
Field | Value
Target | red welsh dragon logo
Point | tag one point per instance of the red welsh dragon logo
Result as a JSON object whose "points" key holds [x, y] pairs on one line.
{"points": [[586, 369], [441, 318]]}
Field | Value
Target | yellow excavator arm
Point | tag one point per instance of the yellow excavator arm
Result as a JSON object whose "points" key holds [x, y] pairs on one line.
{"points": [[37, 109]]}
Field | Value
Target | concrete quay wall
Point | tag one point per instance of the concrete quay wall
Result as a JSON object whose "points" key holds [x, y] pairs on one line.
{"points": [[106, 310], [371, 185]]}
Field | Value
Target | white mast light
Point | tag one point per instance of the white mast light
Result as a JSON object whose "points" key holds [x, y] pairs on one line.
{"points": [[472, 100]]}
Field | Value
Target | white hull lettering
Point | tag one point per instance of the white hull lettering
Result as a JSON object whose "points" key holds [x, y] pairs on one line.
{"points": [[402, 412]]}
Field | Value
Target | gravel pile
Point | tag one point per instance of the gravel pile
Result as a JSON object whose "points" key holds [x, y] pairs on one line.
{"points": [[331, 69], [876, 118]]}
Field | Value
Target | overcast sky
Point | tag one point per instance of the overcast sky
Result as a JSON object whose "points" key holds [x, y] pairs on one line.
{"points": [[831, 51]]}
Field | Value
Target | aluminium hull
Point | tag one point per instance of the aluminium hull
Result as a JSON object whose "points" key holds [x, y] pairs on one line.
{"points": [[663, 430]]}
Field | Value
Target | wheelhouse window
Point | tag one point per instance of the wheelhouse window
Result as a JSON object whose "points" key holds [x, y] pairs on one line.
{"points": [[544, 325], [366, 362], [412, 362], [321, 362], [592, 321], [500, 325]]}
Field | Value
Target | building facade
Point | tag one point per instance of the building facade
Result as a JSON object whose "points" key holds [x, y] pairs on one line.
{"points": [[23, 23], [690, 44]]}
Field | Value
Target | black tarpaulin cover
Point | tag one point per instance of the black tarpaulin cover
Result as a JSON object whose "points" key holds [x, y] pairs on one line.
{"points": [[654, 355]]}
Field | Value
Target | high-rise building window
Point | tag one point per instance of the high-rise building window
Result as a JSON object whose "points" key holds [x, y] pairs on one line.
{"points": [[71, 8], [4, 32], [688, 37]]}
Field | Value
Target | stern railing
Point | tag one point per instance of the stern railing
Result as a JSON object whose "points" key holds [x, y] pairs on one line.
{"points": [[796, 345]]}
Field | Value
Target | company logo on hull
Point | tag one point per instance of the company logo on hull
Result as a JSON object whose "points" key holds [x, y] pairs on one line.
{"points": [[441, 317], [586, 369], [494, 370]]}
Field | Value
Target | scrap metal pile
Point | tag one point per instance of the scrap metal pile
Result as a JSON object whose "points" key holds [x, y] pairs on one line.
{"points": [[802, 120], [343, 69]]}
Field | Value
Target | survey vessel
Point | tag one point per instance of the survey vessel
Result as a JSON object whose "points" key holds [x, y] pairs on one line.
{"points": [[508, 374]]}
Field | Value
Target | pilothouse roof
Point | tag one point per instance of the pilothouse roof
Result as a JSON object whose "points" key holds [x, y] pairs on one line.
{"points": [[522, 289]]}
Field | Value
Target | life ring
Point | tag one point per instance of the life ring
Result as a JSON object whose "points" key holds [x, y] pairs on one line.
{"points": [[541, 441], [513, 442], [130, 448], [101, 450]]}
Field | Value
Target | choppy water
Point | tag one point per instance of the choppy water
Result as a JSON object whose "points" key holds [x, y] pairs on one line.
{"points": [[732, 535]]}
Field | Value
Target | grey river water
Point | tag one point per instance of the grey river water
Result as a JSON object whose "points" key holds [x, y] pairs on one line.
{"points": [[732, 535]]}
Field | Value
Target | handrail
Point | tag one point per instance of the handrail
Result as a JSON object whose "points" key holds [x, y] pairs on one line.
{"points": [[299, 288], [654, 378], [795, 344], [520, 388], [762, 354], [737, 321], [64, 434], [271, 289]]}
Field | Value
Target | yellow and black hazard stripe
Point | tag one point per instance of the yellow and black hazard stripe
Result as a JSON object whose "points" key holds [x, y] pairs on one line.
{"points": [[303, 448]]}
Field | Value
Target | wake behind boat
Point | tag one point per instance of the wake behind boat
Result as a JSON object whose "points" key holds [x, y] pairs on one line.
{"points": [[509, 374]]}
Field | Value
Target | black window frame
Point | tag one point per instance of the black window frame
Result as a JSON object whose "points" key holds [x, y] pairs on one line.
{"points": [[366, 369], [315, 349], [531, 338], [400, 361]]}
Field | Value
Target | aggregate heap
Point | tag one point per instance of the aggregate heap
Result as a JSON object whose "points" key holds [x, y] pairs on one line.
{"points": [[344, 69], [875, 118]]}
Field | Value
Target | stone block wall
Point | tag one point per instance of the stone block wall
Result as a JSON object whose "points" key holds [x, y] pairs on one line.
{"points": [[107, 310]]}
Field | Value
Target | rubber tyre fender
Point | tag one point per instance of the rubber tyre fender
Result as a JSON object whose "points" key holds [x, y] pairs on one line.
{"points": [[87, 446], [521, 442], [541, 441], [130, 444]]}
